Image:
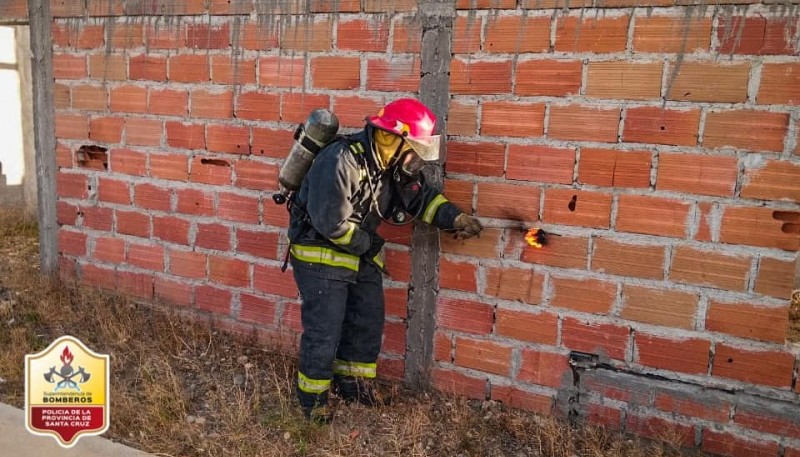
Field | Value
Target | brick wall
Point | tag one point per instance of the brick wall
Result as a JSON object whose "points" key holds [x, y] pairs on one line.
{"points": [[659, 144]]}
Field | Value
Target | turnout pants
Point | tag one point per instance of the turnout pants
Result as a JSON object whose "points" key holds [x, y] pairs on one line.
{"points": [[342, 327]]}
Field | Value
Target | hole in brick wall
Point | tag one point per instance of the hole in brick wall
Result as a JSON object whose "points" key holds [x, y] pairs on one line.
{"points": [[663, 127], [92, 156], [790, 219], [216, 162], [573, 203]]}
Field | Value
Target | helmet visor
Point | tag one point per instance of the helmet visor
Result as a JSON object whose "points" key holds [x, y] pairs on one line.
{"points": [[427, 147]]}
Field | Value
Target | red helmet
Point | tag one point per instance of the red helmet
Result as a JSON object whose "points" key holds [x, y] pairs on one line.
{"points": [[412, 120]]}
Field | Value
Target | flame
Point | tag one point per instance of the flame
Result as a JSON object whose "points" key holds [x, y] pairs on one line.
{"points": [[535, 237], [66, 356]]}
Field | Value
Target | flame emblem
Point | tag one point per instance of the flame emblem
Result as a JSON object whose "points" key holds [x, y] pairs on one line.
{"points": [[66, 356]]}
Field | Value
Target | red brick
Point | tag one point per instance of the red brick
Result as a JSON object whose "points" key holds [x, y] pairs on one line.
{"points": [[598, 35], [554, 78], [775, 418], [187, 136], [210, 171], [765, 323], [254, 36], [165, 36], [758, 227], [71, 243], [459, 193], [484, 159], [750, 130], [399, 234], [467, 34], [770, 368], [174, 167], [148, 257], [493, 201], [63, 156], [69, 126], [583, 123], [457, 275], [143, 132], [379, 6], [128, 161], [538, 163], [735, 445], [606, 416], [517, 34], [206, 36], [701, 406], [775, 277], [688, 355], [517, 398], [211, 105], [108, 249], [173, 292], [148, 67], [256, 175], [238, 208], [234, 139], [456, 383], [125, 36], [614, 168], [561, 251], [273, 281], [667, 34], [343, 6], [152, 197], [213, 236], [169, 102], [657, 428], [780, 84], [697, 174], [189, 68], [524, 326], [187, 264], [66, 214], [98, 218], [66, 66], [707, 268], [133, 223], [113, 191], [72, 185], [585, 295], [111, 67], [757, 35], [195, 201], [632, 260], [257, 310], [91, 98], [508, 283], [229, 271], [307, 35], [484, 356], [512, 119], [480, 77], [226, 69], [689, 82], [106, 129], [276, 216], [396, 301], [98, 277], [258, 106], [296, 106], [394, 75], [662, 307], [258, 243], [464, 315], [442, 347], [399, 265], [407, 35], [462, 119], [624, 80], [661, 126], [213, 299], [171, 229], [598, 338], [281, 71], [351, 110], [773, 180], [652, 215], [545, 368], [483, 247], [575, 207], [136, 284], [61, 98], [363, 35]]}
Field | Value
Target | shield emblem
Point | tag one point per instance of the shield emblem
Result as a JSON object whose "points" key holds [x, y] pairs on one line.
{"points": [[67, 391]]}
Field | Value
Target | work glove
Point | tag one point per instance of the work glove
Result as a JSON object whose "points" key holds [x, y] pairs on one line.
{"points": [[376, 244], [467, 226]]}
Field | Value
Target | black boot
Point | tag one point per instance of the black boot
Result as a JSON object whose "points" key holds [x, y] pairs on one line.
{"points": [[352, 389], [318, 414]]}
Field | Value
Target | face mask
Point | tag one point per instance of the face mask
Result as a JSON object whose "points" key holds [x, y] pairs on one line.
{"points": [[411, 163]]}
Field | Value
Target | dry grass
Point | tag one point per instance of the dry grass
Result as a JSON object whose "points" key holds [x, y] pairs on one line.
{"points": [[794, 318], [180, 387]]}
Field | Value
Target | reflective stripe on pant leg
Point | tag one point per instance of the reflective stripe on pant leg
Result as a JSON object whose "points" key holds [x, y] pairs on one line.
{"points": [[355, 369], [312, 386]]}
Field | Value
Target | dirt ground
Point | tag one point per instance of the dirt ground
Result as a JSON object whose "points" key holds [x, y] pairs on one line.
{"points": [[184, 388]]}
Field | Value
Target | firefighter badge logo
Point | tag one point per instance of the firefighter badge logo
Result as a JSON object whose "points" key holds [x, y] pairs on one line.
{"points": [[67, 391]]}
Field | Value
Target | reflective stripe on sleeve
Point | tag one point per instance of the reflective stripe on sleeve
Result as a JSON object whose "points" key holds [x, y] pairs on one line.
{"points": [[432, 207], [312, 386], [325, 256], [345, 239], [356, 369]]}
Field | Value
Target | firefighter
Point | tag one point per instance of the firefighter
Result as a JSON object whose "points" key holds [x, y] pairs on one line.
{"points": [[336, 254]]}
